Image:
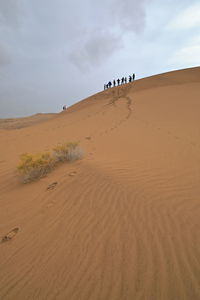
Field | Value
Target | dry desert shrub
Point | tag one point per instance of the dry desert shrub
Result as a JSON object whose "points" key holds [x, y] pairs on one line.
{"points": [[75, 154], [67, 152], [33, 167]]}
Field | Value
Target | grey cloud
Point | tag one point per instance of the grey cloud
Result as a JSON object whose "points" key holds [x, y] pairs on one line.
{"points": [[130, 14], [42, 41], [95, 50], [110, 17], [5, 54], [11, 15], [10, 12]]}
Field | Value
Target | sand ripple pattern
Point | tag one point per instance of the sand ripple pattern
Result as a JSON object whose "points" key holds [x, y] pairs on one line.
{"points": [[108, 239], [121, 224]]}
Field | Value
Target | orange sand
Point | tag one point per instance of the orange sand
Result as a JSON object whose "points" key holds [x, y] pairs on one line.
{"points": [[126, 224], [18, 123]]}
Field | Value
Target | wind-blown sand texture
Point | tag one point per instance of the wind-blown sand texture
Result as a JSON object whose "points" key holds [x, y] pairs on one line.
{"points": [[123, 223]]}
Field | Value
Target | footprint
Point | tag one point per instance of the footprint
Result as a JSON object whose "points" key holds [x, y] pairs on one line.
{"points": [[88, 137], [10, 235], [72, 173], [52, 186]]}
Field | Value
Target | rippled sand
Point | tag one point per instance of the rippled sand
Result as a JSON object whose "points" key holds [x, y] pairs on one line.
{"points": [[123, 223]]}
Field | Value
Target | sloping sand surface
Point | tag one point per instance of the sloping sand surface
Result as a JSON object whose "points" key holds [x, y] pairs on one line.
{"points": [[123, 223], [17, 123]]}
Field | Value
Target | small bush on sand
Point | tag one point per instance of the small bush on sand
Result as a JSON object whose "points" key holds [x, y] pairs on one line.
{"points": [[33, 167], [36, 166], [67, 152], [75, 154]]}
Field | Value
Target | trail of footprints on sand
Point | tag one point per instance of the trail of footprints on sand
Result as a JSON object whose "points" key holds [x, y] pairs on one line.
{"points": [[54, 185], [124, 92], [117, 95]]}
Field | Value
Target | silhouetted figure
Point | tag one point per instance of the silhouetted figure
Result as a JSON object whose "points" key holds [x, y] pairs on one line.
{"points": [[114, 83], [125, 80], [105, 86], [130, 78], [133, 76], [122, 80], [64, 107], [118, 81], [110, 84]]}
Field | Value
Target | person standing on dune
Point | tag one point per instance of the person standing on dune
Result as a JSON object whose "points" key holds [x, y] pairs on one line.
{"points": [[118, 81], [133, 76], [114, 83]]}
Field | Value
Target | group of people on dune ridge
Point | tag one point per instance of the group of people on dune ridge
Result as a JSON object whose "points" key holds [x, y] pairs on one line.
{"points": [[124, 80], [110, 84]]}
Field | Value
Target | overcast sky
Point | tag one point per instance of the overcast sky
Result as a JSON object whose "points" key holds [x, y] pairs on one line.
{"points": [[56, 52]]}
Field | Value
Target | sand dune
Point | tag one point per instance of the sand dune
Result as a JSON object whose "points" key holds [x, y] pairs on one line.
{"points": [[17, 123], [126, 224]]}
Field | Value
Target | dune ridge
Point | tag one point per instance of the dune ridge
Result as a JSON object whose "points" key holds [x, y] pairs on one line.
{"points": [[123, 223], [17, 123]]}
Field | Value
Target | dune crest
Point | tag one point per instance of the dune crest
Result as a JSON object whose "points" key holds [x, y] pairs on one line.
{"points": [[123, 223], [17, 123]]}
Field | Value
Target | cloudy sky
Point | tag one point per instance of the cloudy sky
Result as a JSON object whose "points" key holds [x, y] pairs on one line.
{"points": [[56, 52]]}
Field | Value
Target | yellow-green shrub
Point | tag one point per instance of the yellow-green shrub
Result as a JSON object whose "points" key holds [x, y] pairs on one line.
{"points": [[35, 166]]}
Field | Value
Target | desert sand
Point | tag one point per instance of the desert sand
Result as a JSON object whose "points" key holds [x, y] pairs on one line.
{"points": [[17, 123], [123, 222]]}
